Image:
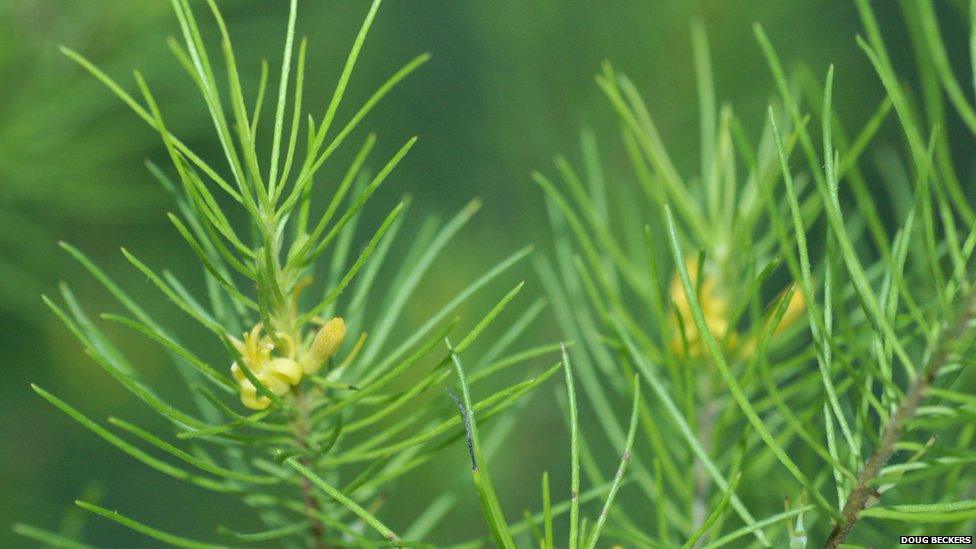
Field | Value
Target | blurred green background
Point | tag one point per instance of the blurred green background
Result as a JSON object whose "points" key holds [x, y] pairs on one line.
{"points": [[510, 85]]}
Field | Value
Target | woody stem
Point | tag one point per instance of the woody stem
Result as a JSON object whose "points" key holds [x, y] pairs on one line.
{"points": [[899, 421], [301, 429]]}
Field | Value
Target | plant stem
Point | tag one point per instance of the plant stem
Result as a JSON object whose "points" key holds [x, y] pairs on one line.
{"points": [[300, 424], [863, 492], [706, 428]]}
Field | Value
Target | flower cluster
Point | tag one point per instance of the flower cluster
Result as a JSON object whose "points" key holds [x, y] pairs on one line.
{"points": [[281, 367], [686, 340]]}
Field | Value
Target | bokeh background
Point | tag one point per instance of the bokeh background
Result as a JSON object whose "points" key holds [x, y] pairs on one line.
{"points": [[510, 86]]}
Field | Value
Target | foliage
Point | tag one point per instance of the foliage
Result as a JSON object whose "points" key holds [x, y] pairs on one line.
{"points": [[46, 113], [770, 337], [313, 420], [794, 327]]}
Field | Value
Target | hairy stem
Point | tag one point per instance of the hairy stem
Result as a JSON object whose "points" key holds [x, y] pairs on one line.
{"points": [[863, 492]]}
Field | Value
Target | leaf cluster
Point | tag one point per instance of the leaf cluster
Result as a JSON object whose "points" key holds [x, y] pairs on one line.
{"points": [[769, 308]]}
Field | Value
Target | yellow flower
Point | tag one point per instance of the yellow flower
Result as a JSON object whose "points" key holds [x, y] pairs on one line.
{"points": [[714, 305], [714, 302], [255, 401], [279, 373]]}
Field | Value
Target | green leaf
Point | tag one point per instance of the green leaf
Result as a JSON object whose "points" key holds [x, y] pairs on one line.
{"points": [[340, 193], [267, 535], [343, 500], [823, 357], [380, 92], [722, 366], [282, 98], [479, 467], [129, 449], [197, 248], [447, 309], [49, 539], [195, 461], [368, 389], [122, 377], [686, 433], [547, 512], [956, 511], [574, 489], [221, 379], [715, 514], [194, 311], [171, 539], [725, 540], [145, 115], [622, 469], [409, 277], [360, 262], [340, 89]]}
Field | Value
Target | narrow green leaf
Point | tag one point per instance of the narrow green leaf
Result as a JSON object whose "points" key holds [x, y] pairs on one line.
{"points": [[547, 512], [195, 461], [715, 514], [741, 399], [686, 433], [145, 115], [49, 539], [220, 378], [725, 540], [171, 539], [267, 535], [574, 489], [346, 73], [479, 468], [121, 376], [622, 469], [282, 98], [363, 256], [129, 449], [380, 92], [343, 500], [957, 511], [408, 279]]}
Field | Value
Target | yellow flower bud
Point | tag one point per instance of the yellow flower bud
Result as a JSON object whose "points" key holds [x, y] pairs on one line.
{"points": [[325, 344]]}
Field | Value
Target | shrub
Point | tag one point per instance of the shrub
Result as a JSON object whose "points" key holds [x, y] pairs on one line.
{"points": [[793, 346]]}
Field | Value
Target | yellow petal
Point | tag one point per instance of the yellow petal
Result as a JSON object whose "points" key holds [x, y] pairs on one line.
{"points": [[238, 344], [794, 309], [286, 369], [238, 374], [251, 399], [274, 383], [713, 304]]}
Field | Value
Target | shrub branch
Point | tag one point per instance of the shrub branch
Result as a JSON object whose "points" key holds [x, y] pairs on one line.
{"points": [[863, 492]]}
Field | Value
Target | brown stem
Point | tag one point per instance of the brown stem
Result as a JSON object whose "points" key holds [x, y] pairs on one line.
{"points": [[863, 492], [312, 507]]}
